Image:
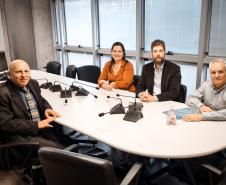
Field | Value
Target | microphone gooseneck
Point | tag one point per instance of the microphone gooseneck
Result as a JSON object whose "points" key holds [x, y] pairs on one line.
{"points": [[135, 100], [115, 98], [60, 83], [136, 105], [65, 93], [85, 85], [118, 108], [95, 96], [84, 90], [45, 67], [45, 85]]}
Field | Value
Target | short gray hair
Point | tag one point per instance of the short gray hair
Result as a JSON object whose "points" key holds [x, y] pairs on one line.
{"points": [[220, 60]]}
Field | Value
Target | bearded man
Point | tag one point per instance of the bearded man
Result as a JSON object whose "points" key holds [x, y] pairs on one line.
{"points": [[160, 79]]}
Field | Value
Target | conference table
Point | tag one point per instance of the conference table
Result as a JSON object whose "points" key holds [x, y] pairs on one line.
{"points": [[150, 136]]}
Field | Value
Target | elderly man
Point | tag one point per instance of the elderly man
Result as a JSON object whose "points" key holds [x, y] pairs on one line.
{"points": [[160, 79], [24, 114], [210, 98]]}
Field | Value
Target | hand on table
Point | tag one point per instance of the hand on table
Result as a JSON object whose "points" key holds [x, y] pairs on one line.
{"points": [[192, 117]]}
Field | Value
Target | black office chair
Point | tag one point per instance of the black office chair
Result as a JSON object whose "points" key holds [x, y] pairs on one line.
{"points": [[183, 93], [53, 67], [89, 73], [64, 167], [16, 163], [208, 170], [71, 71], [136, 79], [3, 62]]}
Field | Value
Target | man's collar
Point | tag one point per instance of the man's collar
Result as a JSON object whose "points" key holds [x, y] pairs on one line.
{"points": [[18, 88], [161, 67], [217, 90]]}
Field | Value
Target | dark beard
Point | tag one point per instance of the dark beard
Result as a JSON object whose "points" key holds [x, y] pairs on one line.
{"points": [[157, 62]]}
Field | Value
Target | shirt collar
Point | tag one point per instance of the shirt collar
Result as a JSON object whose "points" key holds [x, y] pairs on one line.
{"points": [[161, 67], [218, 90]]}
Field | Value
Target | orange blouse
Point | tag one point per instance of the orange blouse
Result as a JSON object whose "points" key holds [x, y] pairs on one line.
{"points": [[123, 79]]}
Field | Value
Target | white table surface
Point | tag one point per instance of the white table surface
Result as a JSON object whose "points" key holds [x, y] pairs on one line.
{"points": [[150, 136]]}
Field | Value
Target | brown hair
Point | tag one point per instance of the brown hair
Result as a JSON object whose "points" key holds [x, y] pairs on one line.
{"points": [[123, 57], [158, 42]]}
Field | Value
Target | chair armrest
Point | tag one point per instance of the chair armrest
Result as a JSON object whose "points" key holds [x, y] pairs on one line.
{"points": [[132, 174], [213, 169], [16, 154], [18, 144], [73, 147]]}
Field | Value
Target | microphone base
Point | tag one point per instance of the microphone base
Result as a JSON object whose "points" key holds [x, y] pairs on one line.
{"points": [[82, 92], [74, 88], [65, 94], [55, 88], [117, 109], [46, 85], [138, 106], [133, 116]]}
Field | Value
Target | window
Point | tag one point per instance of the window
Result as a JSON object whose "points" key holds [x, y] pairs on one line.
{"points": [[80, 59], [176, 22], [217, 46], [78, 22], [117, 23], [188, 73]]}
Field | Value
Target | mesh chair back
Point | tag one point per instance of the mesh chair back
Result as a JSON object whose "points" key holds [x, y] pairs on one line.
{"points": [[71, 71], [3, 62], [136, 79], [63, 167], [53, 67], [89, 73], [183, 93]]}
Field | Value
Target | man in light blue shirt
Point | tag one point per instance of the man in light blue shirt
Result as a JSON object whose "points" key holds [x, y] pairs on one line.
{"points": [[210, 98]]}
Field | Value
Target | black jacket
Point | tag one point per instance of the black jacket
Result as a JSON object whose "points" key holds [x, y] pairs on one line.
{"points": [[14, 117], [170, 83]]}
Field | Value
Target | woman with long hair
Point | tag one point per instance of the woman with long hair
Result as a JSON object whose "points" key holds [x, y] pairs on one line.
{"points": [[118, 72]]}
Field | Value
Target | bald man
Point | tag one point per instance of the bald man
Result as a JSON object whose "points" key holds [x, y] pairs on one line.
{"points": [[24, 114], [210, 98]]}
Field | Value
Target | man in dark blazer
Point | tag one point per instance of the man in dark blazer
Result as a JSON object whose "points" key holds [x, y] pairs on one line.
{"points": [[21, 121], [160, 79]]}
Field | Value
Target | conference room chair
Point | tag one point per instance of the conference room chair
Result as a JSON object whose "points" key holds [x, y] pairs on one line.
{"points": [[208, 170], [89, 73], [16, 163], [136, 79], [65, 167], [183, 93], [3, 62], [71, 71], [53, 67]]}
